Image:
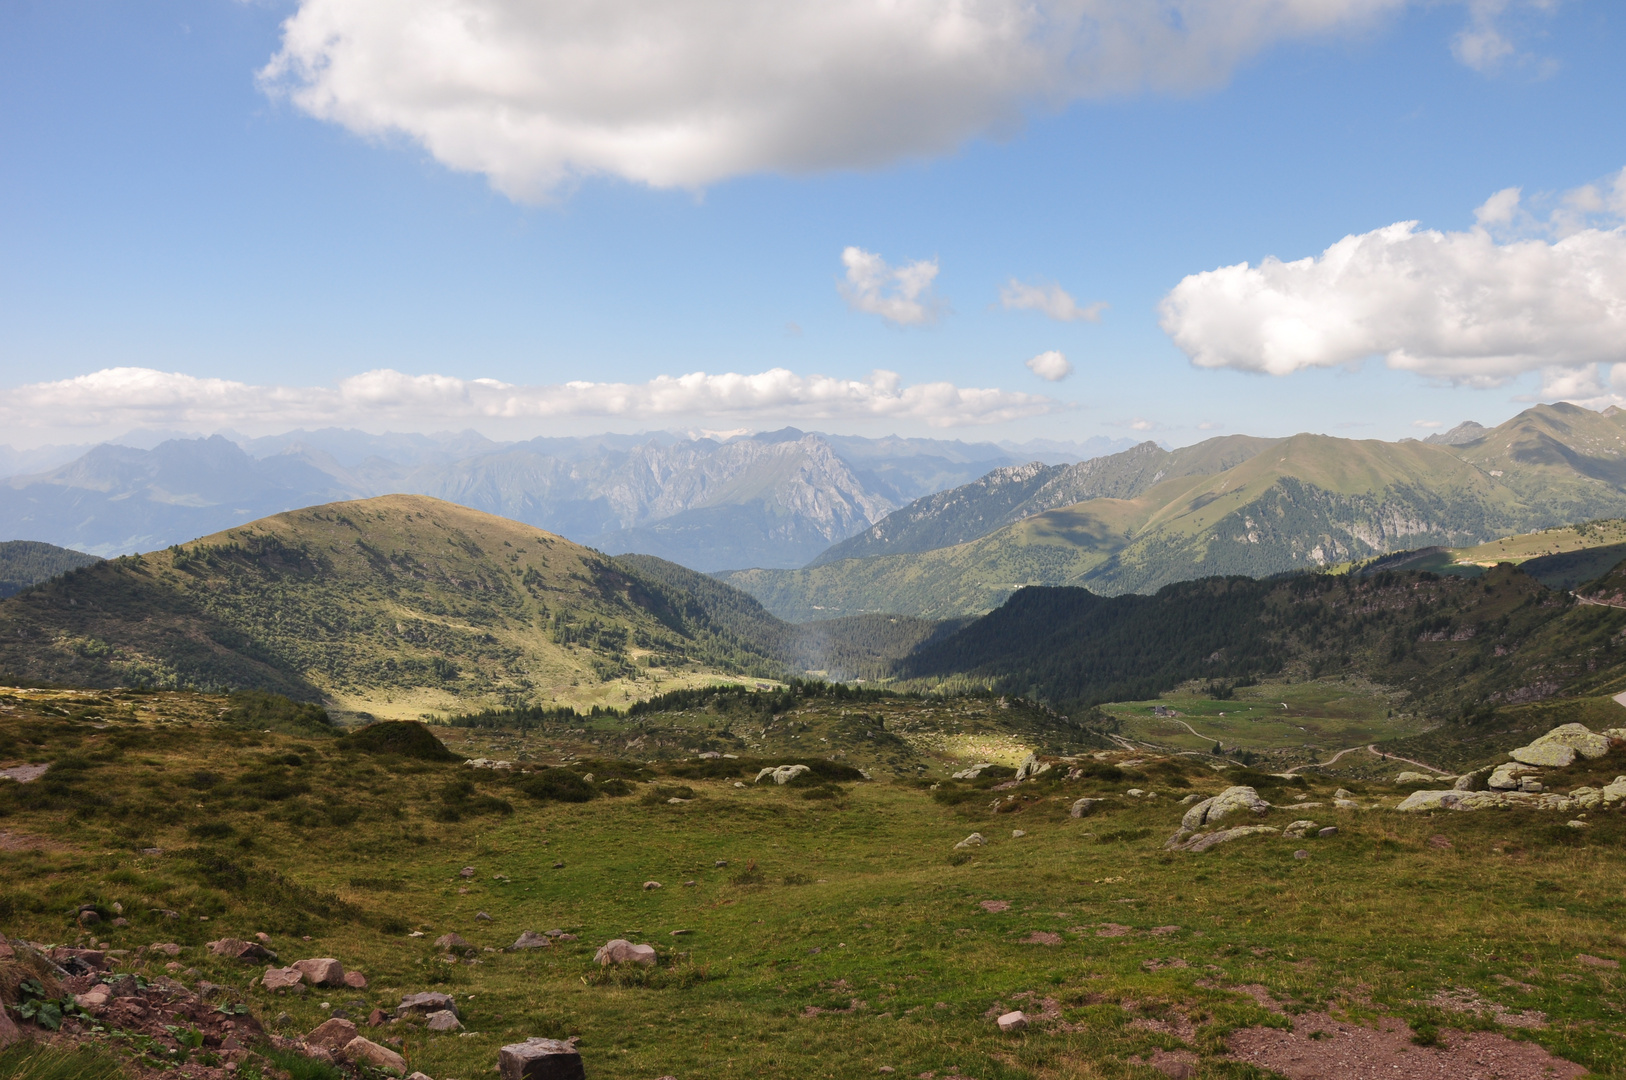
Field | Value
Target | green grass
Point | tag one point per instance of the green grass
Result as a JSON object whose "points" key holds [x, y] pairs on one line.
{"points": [[33, 1061], [821, 902]]}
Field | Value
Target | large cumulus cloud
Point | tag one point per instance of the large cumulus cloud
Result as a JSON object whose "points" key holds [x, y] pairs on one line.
{"points": [[685, 92]]}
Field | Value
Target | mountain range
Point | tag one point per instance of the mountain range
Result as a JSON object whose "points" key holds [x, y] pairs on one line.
{"points": [[1143, 518], [776, 499]]}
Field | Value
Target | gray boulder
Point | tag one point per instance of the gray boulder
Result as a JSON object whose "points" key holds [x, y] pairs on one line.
{"points": [[530, 939], [1226, 802], [782, 774], [621, 951], [1203, 841], [425, 1003], [1298, 830], [1082, 807], [445, 1020], [974, 840], [540, 1059]]}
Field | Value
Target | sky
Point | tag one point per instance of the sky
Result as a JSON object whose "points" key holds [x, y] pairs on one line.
{"points": [[985, 219]]}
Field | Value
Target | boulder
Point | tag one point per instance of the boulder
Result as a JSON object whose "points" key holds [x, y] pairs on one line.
{"points": [[168, 948], [1414, 778], [1506, 777], [445, 1020], [621, 951], [1082, 807], [974, 771], [332, 1034], [1343, 793], [1554, 754], [281, 978], [363, 1051], [1432, 800], [451, 941], [236, 949], [1577, 737], [321, 971], [1298, 830], [1614, 791], [530, 939], [540, 1059], [1031, 766], [974, 840], [1226, 802], [782, 774], [355, 980], [9, 1031], [1013, 1021], [1330, 830], [425, 1003], [1203, 841]]}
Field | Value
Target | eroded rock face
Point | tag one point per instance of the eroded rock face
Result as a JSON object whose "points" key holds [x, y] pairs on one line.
{"points": [[621, 951], [1226, 802], [783, 774], [540, 1059]]}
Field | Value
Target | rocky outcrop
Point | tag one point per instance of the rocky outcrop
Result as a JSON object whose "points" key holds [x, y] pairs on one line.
{"points": [[1226, 802], [1203, 841], [782, 774]]}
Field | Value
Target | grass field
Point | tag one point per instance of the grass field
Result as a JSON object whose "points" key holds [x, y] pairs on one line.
{"points": [[830, 930]]}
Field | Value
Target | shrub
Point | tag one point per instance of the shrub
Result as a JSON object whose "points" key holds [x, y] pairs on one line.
{"points": [[558, 785], [259, 709], [403, 738]]}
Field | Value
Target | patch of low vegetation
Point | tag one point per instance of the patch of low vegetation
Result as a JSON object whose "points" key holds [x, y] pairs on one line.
{"points": [[403, 738]]}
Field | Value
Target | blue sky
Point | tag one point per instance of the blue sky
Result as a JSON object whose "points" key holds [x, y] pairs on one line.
{"points": [[163, 208]]}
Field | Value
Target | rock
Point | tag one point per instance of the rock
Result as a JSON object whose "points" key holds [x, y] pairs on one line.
{"points": [[1577, 737], [418, 1076], [1414, 778], [322, 971], [1431, 800], [94, 998], [1135, 792], [481, 916], [621, 951], [1031, 766], [648, 885], [1301, 854], [1345, 804], [1343, 793], [236, 949], [974, 840], [1013, 1021], [332, 1034], [1556, 755], [451, 941], [530, 939], [1189, 799], [974, 771], [1506, 777], [1298, 830], [1330, 830], [168, 948], [363, 1051], [89, 918], [281, 978], [1203, 841], [1576, 824], [425, 1003], [1226, 802], [466, 872], [783, 774], [9, 1031], [1082, 807], [1017, 834], [355, 980], [540, 1059], [445, 1020]]}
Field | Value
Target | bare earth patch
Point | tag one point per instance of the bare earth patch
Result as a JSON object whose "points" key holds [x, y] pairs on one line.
{"points": [[14, 841], [1322, 1048], [1459, 999], [994, 907]]}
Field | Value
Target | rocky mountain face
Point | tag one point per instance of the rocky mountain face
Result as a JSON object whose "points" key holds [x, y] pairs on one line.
{"points": [[1227, 506], [775, 499]]}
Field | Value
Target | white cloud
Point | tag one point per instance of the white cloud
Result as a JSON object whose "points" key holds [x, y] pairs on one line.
{"points": [[1427, 423], [681, 93], [1484, 46], [1051, 365], [1051, 299], [1478, 307], [116, 399], [901, 295], [1141, 424]]}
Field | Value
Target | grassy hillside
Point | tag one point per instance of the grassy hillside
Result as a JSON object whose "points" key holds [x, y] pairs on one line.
{"points": [[29, 562], [828, 929], [1307, 501], [394, 606]]}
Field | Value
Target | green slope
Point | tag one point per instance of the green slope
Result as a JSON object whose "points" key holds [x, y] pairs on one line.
{"points": [[1310, 500], [29, 562], [394, 606]]}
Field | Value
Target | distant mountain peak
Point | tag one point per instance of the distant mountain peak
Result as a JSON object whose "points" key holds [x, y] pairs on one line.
{"points": [[1461, 435]]}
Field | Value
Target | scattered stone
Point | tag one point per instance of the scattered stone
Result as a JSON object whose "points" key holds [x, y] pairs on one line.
{"points": [[1135, 792], [424, 1003], [451, 941], [720, 863], [1082, 807], [1343, 793], [1226, 802], [1203, 841], [784, 774], [1330, 830], [418, 1076], [236, 949], [363, 1051], [974, 840], [1575, 824], [1439, 843], [558, 866], [621, 951], [376, 1018], [994, 907], [1297, 830], [281, 978], [1189, 799], [481, 916], [466, 872], [333, 1034], [1301, 854], [540, 1059], [1414, 778], [322, 971], [530, 939], [974, 771], [648, 885], [355, 980], [1017, 834], [168, 948], [444, 1021], [1597, 961], [1013, 1021], [1506, 776]]}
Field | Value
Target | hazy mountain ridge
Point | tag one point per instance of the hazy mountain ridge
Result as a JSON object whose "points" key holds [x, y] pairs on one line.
{"points": [[797, 491], [1232, 506]]}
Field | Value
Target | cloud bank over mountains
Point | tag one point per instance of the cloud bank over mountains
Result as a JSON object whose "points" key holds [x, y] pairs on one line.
{"points": [[118, 398], [683, 93], [1514, 294]]}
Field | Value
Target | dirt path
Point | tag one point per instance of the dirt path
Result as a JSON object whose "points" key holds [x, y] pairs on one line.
{"points": [[1372, 748]]}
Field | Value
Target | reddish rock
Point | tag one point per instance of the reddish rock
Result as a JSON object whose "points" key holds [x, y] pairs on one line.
{"points": [[281, 978], [1013, 1021], [362, 1051], [322, 971], [451, 941], [376, 1018], [355, 980], [238, 949], [621, 951], [334, 1034], [168, 948], [425, 1003]]}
